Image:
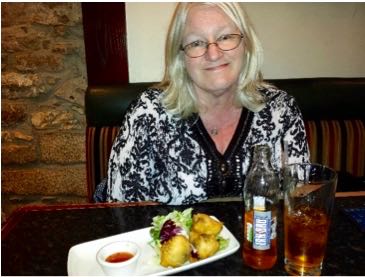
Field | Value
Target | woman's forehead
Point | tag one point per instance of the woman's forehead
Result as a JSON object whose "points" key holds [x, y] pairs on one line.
{"points": [[203, 17]]}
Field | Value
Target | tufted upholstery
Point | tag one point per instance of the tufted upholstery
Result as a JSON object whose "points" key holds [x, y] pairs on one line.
{"points": [[332, 109]]}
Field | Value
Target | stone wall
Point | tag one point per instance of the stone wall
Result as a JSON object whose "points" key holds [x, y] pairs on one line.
{"points": [[43, 82]]}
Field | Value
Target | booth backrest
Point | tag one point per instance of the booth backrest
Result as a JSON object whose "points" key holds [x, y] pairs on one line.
{"points": [[333, 110]]}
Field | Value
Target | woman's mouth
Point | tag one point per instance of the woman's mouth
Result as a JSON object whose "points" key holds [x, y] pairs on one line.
{"points": [[217, 67]]}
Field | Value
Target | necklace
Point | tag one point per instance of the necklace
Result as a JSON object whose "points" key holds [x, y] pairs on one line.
{"points": [[214, 131], [227, 122]]}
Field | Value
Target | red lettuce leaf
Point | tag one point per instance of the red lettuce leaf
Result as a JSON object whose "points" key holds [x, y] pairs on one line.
{"points": [[168, 230]]}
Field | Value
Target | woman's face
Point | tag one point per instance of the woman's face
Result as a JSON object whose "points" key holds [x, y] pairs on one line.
{"points": [[217, 71]]}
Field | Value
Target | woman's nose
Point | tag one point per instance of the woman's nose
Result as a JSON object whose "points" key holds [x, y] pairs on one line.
{"points": [[213, 51]]}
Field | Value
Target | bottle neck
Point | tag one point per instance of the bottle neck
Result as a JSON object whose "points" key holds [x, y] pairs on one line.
{"points": [[262, 156]]}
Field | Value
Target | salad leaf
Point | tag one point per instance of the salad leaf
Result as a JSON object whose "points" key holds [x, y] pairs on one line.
{"points": [[223, 243], [168, 230], [178, 222]]}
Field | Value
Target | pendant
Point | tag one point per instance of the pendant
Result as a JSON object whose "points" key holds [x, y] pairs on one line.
{"points": [[213, 131]]}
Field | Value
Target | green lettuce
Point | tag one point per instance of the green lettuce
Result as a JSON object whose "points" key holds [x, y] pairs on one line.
{"points": [[223, 243], [182, 219]]}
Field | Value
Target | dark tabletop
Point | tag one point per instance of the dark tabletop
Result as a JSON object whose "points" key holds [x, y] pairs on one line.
{"points": [[37, 243]]}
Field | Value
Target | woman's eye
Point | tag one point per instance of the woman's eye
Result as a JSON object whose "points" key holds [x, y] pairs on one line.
{"points": [[224, 37], [197, 43]]}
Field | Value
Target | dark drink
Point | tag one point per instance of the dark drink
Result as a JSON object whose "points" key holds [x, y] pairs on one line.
{"points": [[306, 230], [309, 193]]}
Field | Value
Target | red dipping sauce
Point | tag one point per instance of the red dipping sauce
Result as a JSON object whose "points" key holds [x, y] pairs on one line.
{"points": [[119, 257]]}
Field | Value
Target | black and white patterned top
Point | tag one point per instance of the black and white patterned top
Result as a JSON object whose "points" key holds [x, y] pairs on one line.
{"points": [[159, 157]]}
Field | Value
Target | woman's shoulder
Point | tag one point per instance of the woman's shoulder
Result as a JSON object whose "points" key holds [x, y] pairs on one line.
{"points": [[150, 95], [277, 98], [279, 101], [275, 94], [147, 100], [146, 109]]}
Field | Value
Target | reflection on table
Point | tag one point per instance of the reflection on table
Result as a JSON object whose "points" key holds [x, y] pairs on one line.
{"points": [[36, 241]]}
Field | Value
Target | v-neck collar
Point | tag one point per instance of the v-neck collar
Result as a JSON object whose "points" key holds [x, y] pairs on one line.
{"points": [[237, 136]]}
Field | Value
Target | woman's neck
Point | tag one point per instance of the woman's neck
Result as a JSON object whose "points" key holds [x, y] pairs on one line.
{"points": [[211, 104], [221, 125]]}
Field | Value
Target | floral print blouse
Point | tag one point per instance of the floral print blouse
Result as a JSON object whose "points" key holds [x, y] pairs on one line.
{"points": [[160, 157]]}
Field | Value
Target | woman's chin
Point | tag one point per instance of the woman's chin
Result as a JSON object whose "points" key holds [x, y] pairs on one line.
{"points": [[220, 87]]}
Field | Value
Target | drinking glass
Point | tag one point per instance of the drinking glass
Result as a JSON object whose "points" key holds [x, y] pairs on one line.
{"points": [[309, 193]]}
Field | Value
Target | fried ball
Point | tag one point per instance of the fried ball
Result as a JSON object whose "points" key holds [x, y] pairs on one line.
{"points": [[204, 224], [206, 246], [175, 252]]}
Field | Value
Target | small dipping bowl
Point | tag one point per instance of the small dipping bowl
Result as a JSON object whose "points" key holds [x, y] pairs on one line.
{"points": [[119, 250]]}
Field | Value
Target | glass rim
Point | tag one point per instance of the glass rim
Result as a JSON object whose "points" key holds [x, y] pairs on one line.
{"points": [[306, 164]]}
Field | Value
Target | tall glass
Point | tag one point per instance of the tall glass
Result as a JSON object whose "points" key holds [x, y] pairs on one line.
{"points": [[309, 193]]}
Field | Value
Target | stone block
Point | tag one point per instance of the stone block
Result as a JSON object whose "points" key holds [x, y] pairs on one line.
{"points": [[15, 13], [18, 153], [40, 61], [73, 90], [62, 148], [51, 119], [4, 61], [20, 38], [66, 47], [10, 44], [33, 40], [18, 80], [58, 14], [16, 85], [55, 180], [12, 113], [15, 136], [41, 13]]}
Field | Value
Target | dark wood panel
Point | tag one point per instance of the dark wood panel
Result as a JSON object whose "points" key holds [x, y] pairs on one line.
{"points": [[105, 43]]}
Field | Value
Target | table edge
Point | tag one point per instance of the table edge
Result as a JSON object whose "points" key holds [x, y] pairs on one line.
{"points": [[17, 214]]}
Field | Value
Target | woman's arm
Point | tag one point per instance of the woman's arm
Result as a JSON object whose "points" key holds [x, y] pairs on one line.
{"points": [[131, 161]]}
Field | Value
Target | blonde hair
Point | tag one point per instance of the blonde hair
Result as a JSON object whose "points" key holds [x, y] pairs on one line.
{"points": [[179, 97]]}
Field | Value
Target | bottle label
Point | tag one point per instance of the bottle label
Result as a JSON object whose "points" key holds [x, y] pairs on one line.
{"points": [[261, 230]]}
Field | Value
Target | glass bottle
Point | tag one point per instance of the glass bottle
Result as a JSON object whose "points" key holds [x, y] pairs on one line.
{"points": [[261, 192]]}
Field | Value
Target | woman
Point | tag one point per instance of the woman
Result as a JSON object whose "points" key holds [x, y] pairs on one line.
{"points": [[191, 138]]}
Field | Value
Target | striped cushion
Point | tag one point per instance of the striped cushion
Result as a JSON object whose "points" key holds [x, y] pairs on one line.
{"points": [[99, 141], [339, 144]]}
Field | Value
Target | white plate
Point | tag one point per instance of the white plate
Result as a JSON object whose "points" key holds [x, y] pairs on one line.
{"points": [[82, 257]]}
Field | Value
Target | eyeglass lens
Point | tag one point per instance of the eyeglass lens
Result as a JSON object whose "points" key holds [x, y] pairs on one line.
{"points": [[225, 43]]}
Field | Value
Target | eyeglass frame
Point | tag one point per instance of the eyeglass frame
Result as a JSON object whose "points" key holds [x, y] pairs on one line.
{"points": [[207, 44]]}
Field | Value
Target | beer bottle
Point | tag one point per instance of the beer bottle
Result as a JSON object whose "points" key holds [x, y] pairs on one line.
{"points": [[260, 193]]}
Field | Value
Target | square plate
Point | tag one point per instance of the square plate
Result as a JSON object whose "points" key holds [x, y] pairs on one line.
{"points": [[82, 257]]}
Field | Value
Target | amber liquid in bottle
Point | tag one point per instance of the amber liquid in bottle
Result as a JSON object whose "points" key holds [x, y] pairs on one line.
{"points": [[258, 259], [260, 195]]}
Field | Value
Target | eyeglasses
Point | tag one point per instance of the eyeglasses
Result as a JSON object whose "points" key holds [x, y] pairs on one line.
{"points": [[198, 48]]}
